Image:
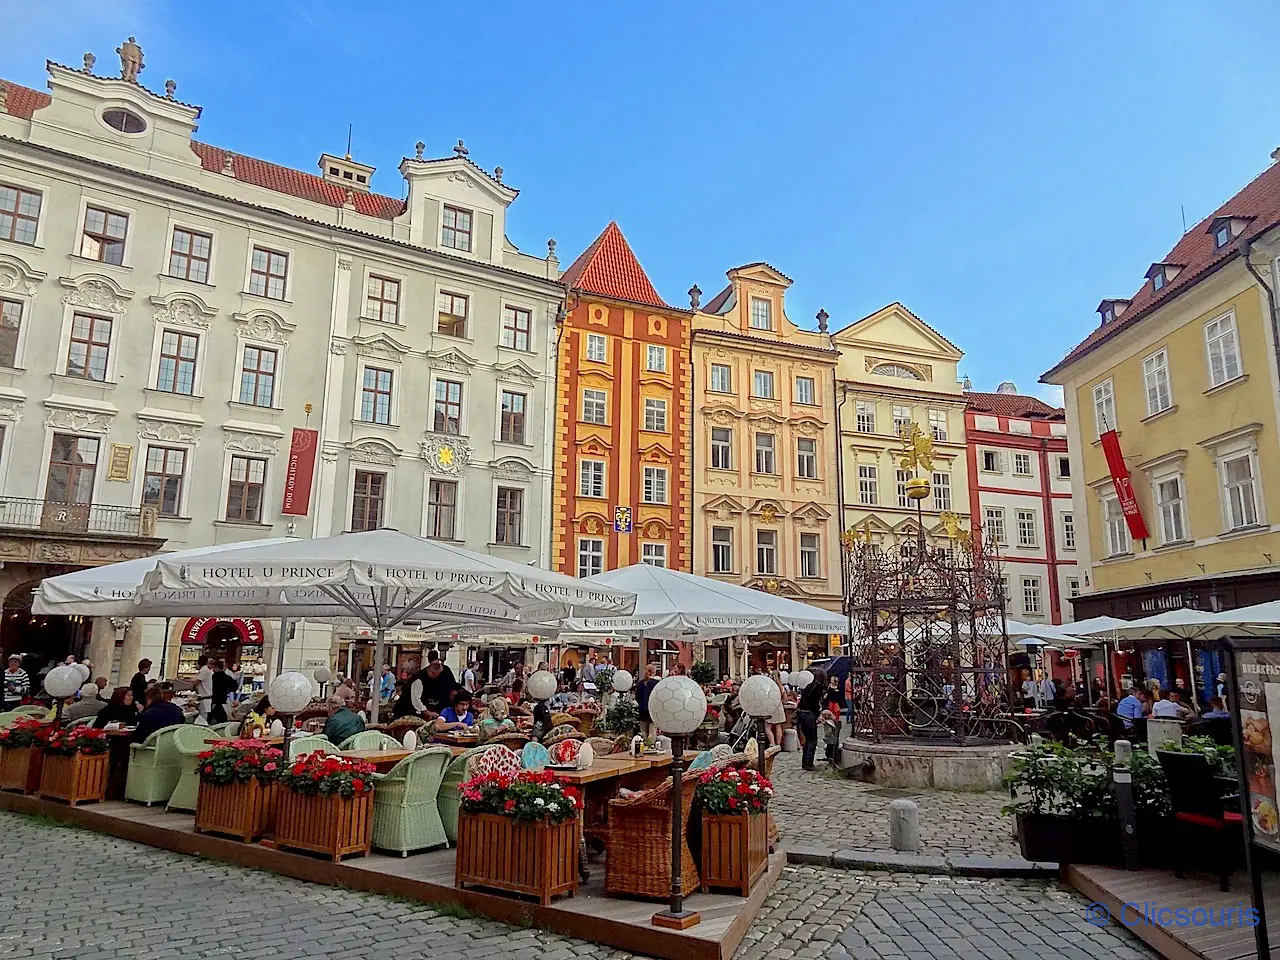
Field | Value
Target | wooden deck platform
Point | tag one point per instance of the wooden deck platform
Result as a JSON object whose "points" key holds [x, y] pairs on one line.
{"points": [[1160, 888], [428, 877]]}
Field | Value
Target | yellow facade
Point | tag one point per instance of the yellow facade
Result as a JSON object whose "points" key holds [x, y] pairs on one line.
{"points": [[895, 369], [765, 472]]}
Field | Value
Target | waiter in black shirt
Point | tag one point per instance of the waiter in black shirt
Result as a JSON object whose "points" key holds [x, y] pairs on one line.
{"points": [[807, 711]]}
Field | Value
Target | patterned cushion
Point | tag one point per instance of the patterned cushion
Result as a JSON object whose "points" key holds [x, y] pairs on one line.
{"points": [[701, 761], [495, 759], [562, 730], [752, 751], [534, 756], [720, 751], [566, 751]]}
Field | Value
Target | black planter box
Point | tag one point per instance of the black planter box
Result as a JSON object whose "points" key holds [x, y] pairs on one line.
{"points": [[1050, 838]]}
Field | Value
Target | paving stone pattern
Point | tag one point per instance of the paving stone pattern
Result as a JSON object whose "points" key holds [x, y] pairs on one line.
{"points": [[69, 894]]}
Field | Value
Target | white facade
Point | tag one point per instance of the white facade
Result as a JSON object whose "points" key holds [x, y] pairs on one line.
{"points": [[181, 310]]}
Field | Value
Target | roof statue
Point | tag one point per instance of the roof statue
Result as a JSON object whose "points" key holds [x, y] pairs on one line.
{"points": [[130, 60]]}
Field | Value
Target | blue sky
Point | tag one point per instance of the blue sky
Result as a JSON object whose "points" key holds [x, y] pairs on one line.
{"points": [[999, 167]]}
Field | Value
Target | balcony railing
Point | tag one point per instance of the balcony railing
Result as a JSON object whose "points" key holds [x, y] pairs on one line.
{"points": [[101, 519]]}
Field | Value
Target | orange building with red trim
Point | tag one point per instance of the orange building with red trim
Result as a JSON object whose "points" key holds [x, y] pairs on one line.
{"points": [[622, 491]]}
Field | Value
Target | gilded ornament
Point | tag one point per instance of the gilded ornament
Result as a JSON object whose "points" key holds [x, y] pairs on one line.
{"points": [[917, 449]]}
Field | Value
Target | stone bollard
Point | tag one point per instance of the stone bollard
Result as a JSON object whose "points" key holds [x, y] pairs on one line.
{"points": [[790, 740], [904, 826]]}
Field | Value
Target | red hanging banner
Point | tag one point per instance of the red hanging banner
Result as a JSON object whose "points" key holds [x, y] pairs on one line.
{"points": [[1124, 486], [298, 476]]}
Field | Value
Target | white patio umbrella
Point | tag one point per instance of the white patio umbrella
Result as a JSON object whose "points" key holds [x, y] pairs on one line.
{"points": [[382, 578]]}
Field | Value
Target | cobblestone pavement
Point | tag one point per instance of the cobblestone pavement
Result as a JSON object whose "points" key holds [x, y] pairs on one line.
{"points": [[70, 894], [824, 809]]}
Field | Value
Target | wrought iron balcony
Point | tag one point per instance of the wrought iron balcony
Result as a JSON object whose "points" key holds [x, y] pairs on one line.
{"points": [[95, 519]]}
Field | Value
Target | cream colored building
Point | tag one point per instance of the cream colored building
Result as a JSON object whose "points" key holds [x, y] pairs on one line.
{"points": [[174, 310]]}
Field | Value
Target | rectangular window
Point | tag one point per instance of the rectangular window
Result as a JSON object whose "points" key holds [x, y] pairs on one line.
{"points": [[591, 478], [245, 484], [810, 556], [1240, 492], [655, 415], [593, 406], [516, 324], [938, 424], [103, 237], [258, 376], [89, 348], [10, 328], [367, 500], [1116, 527], [1173, 527], [597, 347], [654, 554], [590, 556], [807, 459], [722, 550], [451, 314], [189, 255], [177, 370], [456, 233], [903, 476], [722, 448], [991, 461], [868, 485], [509, 528], [656, 358], [268, 273], [901, 420], [866, 416], [1022, 465], [941, 491], [1155, 374], [762, 384], [761, 314], [766, 552], [162, 480], [73, 463], [1068, 531], [442, 509], [1064, 468], [448, 413], [19, 214], [655, 485], [995, 524], [764, 453], [1224, 355], [1026, 528], [375, 396], [1073, 586], [1004, 589], [1104, 407], [805, 392], [721, 378], [382, 299], [511, 429], [1031, 595]]}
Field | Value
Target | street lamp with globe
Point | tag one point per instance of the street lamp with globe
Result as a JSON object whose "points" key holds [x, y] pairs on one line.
{"points": [[541, 687], [289, 693], [760, 699], [677, 707], [322, 676], [61, 683]]}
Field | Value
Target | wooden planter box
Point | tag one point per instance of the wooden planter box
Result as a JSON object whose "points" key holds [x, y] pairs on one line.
{"points": [[79, 778], [324, 823], [20, 768], [735, 851], [536, 859], [246, 811]]}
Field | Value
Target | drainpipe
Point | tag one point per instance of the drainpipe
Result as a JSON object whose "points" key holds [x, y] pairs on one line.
{"points": [[1245, 247], [839, 448], [1050, 533]]}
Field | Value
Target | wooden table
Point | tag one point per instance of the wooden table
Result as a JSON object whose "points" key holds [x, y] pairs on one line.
{"points": [[449, 740], [382, 760]]}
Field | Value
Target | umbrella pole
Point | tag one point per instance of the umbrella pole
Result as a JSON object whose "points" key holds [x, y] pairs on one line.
{"points": [[284, 632], [375, 691], [1191, 678]]}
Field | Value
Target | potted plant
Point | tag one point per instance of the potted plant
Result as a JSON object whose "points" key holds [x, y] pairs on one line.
{"points": [[735, 827], [1063, 803], [75, 765], [622, 718], [519, 833], [238, 789], [325, 805], [703, 673], [22, 754]]}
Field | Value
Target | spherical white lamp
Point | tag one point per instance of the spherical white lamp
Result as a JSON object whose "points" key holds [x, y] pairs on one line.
{"points": [[677, 705], [62, 682], [322, 675], [623, 681], [784, 678], [82, 671], [541, 685], [290, 692], [802, 679], [759, 696]]}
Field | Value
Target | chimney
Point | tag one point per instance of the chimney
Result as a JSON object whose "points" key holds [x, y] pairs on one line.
{"points": [[1007, 387]]}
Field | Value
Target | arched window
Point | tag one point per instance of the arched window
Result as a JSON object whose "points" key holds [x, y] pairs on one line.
{"points": [[895, 370], [126, 121]]}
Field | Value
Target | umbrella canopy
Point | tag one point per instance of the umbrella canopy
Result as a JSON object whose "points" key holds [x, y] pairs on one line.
{"points": [[1044, 634], [1260, 619], [1185, 624], [670, 604], [1093, 627]]}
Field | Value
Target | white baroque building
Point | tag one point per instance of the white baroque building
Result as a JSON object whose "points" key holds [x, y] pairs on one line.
{"points": [[172, 311]]}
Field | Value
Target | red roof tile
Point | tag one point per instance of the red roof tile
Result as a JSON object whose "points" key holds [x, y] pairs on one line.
{"points": [[23, 101], [609, 268], [1013, 405], [1258, 202]]}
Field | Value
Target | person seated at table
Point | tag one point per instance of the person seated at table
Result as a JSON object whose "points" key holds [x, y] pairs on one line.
{"points": [[542, 722], [1216, 711], [430, 691], [160, 712], [119, 709], [497, 719], [1133, 707], [516, 699], [258, 721], [89, 704], [343, 723], [458, 716], [1171, 707]]}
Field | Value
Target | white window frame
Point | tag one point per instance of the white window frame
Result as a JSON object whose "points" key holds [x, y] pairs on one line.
{"points": [[1228, 331], [654, 553], [1032, 597], [717, 546], [811, 458], [588, 476], [1019, 458], [1156, 380], [655, 358], [711, 378], [767, 303], [756, 383], [813, 391], [815, 551], [1073, 587], [868, 485], [938, 425], [471, 233], [941, 485], [590, 549], [901, 477], [767, 549], [993, 521], [772, 451], [982, 461], [592, 341], [657, 406], [582, 410], [716, 445], [1068, 531], [1104, 404], [1115, 529], [864, 416], [1171, 511], [1251, 455], [1028, 534], [655, 487], [901, 419]]}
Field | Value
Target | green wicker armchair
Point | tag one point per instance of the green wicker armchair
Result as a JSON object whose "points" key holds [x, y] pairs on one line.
{"points": [[449, 801], [227, 731], [638, 844], [7, 718], [310, 744], [155, 767], [405, 812], [190, 740], [370, 740], [31, 710]]}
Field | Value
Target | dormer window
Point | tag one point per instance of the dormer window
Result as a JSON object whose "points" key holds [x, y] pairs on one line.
{"points": [[1221, 236], [1108, 313], [126, 121], [1225, 229], [456, 232], [1158, 281], [1162, 274], [1109, 310]]}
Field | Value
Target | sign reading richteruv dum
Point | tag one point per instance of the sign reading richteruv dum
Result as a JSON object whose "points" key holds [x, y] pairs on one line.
{"points": [[298, 474]]}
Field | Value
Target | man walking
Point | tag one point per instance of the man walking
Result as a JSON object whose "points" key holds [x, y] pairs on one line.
{"points": [[16, 684]]}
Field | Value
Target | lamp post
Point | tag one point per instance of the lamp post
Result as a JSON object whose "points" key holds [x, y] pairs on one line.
{"points": [[289, 693], [677, 706], [541, 686], [323, 676], [60, 683], [760, 697]]}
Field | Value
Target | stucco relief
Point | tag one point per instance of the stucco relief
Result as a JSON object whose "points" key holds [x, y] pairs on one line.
{"points": [[241, 441], [759, 403], [381, 349], [183, 310], [807, 428], [511, 469], [338, 348], [371, 452], [516, 372], [11, 409], [461, 178], [78, 421], [445, 454], [17, 277], [170, 430], [96, 293], [265, 326], [452, 361], [766, 482]]}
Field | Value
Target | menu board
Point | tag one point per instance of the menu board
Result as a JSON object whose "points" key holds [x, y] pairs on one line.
{"points": [[1258, 682]]}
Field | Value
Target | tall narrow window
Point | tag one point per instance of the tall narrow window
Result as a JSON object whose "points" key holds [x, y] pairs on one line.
{"points": [[762, 384], [721, 378], [866, 416], [258, 376], [1104, 407], [597, 347], [177, 370], [10, 329], [654, 554], [456, 231], [766, 552], [90, 346], [162, 481], [807, 459], [1224, 355], [1155, 373], [1031, 596], [1068, 531], [19, 214], [516, 323], [868, 485], [902, 477], [511, 430], [1173, 526], [1022, 465], [810, 556], [367, 500], [245, 484], [722, 550], [655, 358], [994, 517], [448, 412], [991, 461], [1116, 527], [805, 391], [1240, 491], [268, 273], [451, 314], [382, 300], [590, 556], [941, 491], [593, 406], [1026, 528], [938, 424], [655, 485], [591, 478], [375, 396], [189, 255], [103, 237], [722, 448], [761, 314], [655, 415], [901, 420], [442, 507], [73, 465], [764, 453], [509, 528]]}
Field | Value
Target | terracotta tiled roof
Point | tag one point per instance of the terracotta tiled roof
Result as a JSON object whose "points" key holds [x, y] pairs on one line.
{"points": [[610, 269], [23, 101], [1258, 202], [1013, 405]]}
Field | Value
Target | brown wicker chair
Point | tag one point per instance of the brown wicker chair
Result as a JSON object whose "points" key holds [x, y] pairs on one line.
{"points": [[601, 746], [561, 731], [638, 844], [559, 719], [315, 724], [512, 741]]}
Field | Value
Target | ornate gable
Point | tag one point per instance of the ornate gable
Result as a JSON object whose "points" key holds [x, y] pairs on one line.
{"points": [[95, 292], [16, 277], [263, 325], [724, 507], [183, 309], [516, 371], [451, 360], [379, 346]]}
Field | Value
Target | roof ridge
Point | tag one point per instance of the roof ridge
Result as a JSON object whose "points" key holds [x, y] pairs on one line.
{"points": [[609, 268]]}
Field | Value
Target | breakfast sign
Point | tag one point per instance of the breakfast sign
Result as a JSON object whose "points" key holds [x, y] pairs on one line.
{"points": [[1257, 676]]}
